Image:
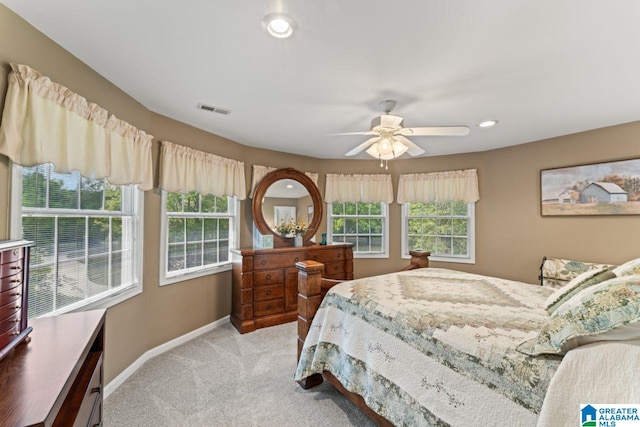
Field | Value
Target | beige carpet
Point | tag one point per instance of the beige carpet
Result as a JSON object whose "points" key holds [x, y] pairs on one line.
{"points": [[223, 378]]}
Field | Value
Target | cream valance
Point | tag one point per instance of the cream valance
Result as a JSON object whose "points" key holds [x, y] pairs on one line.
{"points": [[460, 185], [44, 122], [358, 188], [259, 172], [183, 169]]}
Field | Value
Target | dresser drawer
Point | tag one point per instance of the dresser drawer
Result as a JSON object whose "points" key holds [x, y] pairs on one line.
{"points": [[11, 269], [10, 322], [277, 260], [11, 255], [333, 269], [327, 255], [261, 293], [92, 398], [267, 308], [10, 309], [268, 277], [8, 336], [10, 282], [10, 294]]}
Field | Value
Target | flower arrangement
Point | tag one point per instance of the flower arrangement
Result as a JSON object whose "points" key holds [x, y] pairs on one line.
{"points": [[286, 228]]}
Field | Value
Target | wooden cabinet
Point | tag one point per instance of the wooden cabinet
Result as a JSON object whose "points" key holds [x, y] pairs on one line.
{"points": [[14, 284], [57, 378], [265, 281]]}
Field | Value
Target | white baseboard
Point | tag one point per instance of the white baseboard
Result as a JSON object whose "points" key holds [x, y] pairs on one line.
{"points": [[131, 369]]}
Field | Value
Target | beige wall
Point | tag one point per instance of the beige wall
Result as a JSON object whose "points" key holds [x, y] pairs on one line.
{"points": [[511, 235]]}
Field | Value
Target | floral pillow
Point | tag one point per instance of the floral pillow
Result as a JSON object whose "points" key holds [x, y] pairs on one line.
{"points": [[557, 272], [607, 311], [582, 281], [628, 268]]}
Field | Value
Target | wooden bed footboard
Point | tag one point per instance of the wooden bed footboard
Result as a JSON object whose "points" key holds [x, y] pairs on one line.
{"points": [[312, 288]]}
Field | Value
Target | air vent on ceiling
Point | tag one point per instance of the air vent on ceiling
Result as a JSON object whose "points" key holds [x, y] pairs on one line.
{"points": [[214, 109]]}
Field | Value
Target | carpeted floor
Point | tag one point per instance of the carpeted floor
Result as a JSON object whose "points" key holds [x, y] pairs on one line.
{"points": [[223, 378]]}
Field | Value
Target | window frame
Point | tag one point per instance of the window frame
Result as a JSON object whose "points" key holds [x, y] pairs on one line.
{"points": [[107, 299], [385, 230], [471, 237], [234, 233]]}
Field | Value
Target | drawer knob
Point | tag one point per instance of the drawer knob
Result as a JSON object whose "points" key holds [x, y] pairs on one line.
{"points": [[296, 259], [15, 267], [16, 320], [335, 267], [268, 277], [263, 262], [16, 281], [14, 334], [269, 292], [268, 307], [15, 252], [17, 307], [338, 255], [16, 294]]}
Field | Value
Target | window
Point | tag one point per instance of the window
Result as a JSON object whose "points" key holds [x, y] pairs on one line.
{"points": [[445, 229], [86, 236], [198, 235], [363, 224]]}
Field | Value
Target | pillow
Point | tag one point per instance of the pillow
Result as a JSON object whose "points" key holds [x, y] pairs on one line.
{"points": [[582, 281], [628, 268], [607, 311]]}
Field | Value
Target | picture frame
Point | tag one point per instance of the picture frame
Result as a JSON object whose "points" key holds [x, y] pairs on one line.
{"points": [[606, 188]]}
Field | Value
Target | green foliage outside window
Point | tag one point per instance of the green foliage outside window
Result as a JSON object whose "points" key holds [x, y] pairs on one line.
{"points": [[361, 224], [198, 231], [77, 225], [441, 228]]}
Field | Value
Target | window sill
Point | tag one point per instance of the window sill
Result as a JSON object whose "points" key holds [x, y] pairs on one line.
{"points": [[433, 258], [103, 302], [363, 255], [193, 275]]}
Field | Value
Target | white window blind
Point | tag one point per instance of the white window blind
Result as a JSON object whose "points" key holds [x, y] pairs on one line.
{"points": [[84, 232]]}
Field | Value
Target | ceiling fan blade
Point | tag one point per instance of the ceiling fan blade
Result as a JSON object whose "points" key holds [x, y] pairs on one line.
{"points": [[362, 146], [354, 133], [413, 150], [435, 131]]}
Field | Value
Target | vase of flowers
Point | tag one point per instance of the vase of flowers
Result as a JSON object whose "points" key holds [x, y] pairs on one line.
{"points": [[291, 228]]}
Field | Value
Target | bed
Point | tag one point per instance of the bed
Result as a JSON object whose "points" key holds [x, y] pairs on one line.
{"points": [[433, 346]]}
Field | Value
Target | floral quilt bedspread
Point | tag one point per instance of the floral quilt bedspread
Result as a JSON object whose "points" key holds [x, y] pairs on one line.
{"points": [[434, 347]]}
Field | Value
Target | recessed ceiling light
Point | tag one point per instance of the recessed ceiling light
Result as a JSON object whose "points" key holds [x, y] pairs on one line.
{"points": [[279, 25], [488, 123]]}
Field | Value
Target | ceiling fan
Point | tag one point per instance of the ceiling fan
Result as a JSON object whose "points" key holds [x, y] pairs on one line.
{"points": [[390, 136]]}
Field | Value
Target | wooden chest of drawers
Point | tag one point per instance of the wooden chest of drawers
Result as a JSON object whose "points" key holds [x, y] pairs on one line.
{"points": [[265, 281], [14, 284]]}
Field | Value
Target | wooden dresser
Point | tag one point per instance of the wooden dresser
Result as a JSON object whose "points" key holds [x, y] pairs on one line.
{"points": [[14, 284], [55, 379], [265, 281]]}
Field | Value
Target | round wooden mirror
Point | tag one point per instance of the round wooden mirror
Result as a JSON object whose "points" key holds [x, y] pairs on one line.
{"points": [[313, 210]]}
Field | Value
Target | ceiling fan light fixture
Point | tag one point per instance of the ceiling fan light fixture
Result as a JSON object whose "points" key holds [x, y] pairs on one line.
{"points": [[387, 150], [279, 25]]}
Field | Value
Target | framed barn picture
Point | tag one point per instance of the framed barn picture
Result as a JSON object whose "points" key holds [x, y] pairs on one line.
{"points": [[610, 188]]}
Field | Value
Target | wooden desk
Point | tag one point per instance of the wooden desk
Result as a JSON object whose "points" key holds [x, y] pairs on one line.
{"points": [[56, 378]]}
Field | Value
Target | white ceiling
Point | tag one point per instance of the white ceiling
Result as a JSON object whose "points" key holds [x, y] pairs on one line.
{"points": [[542, 68]]}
